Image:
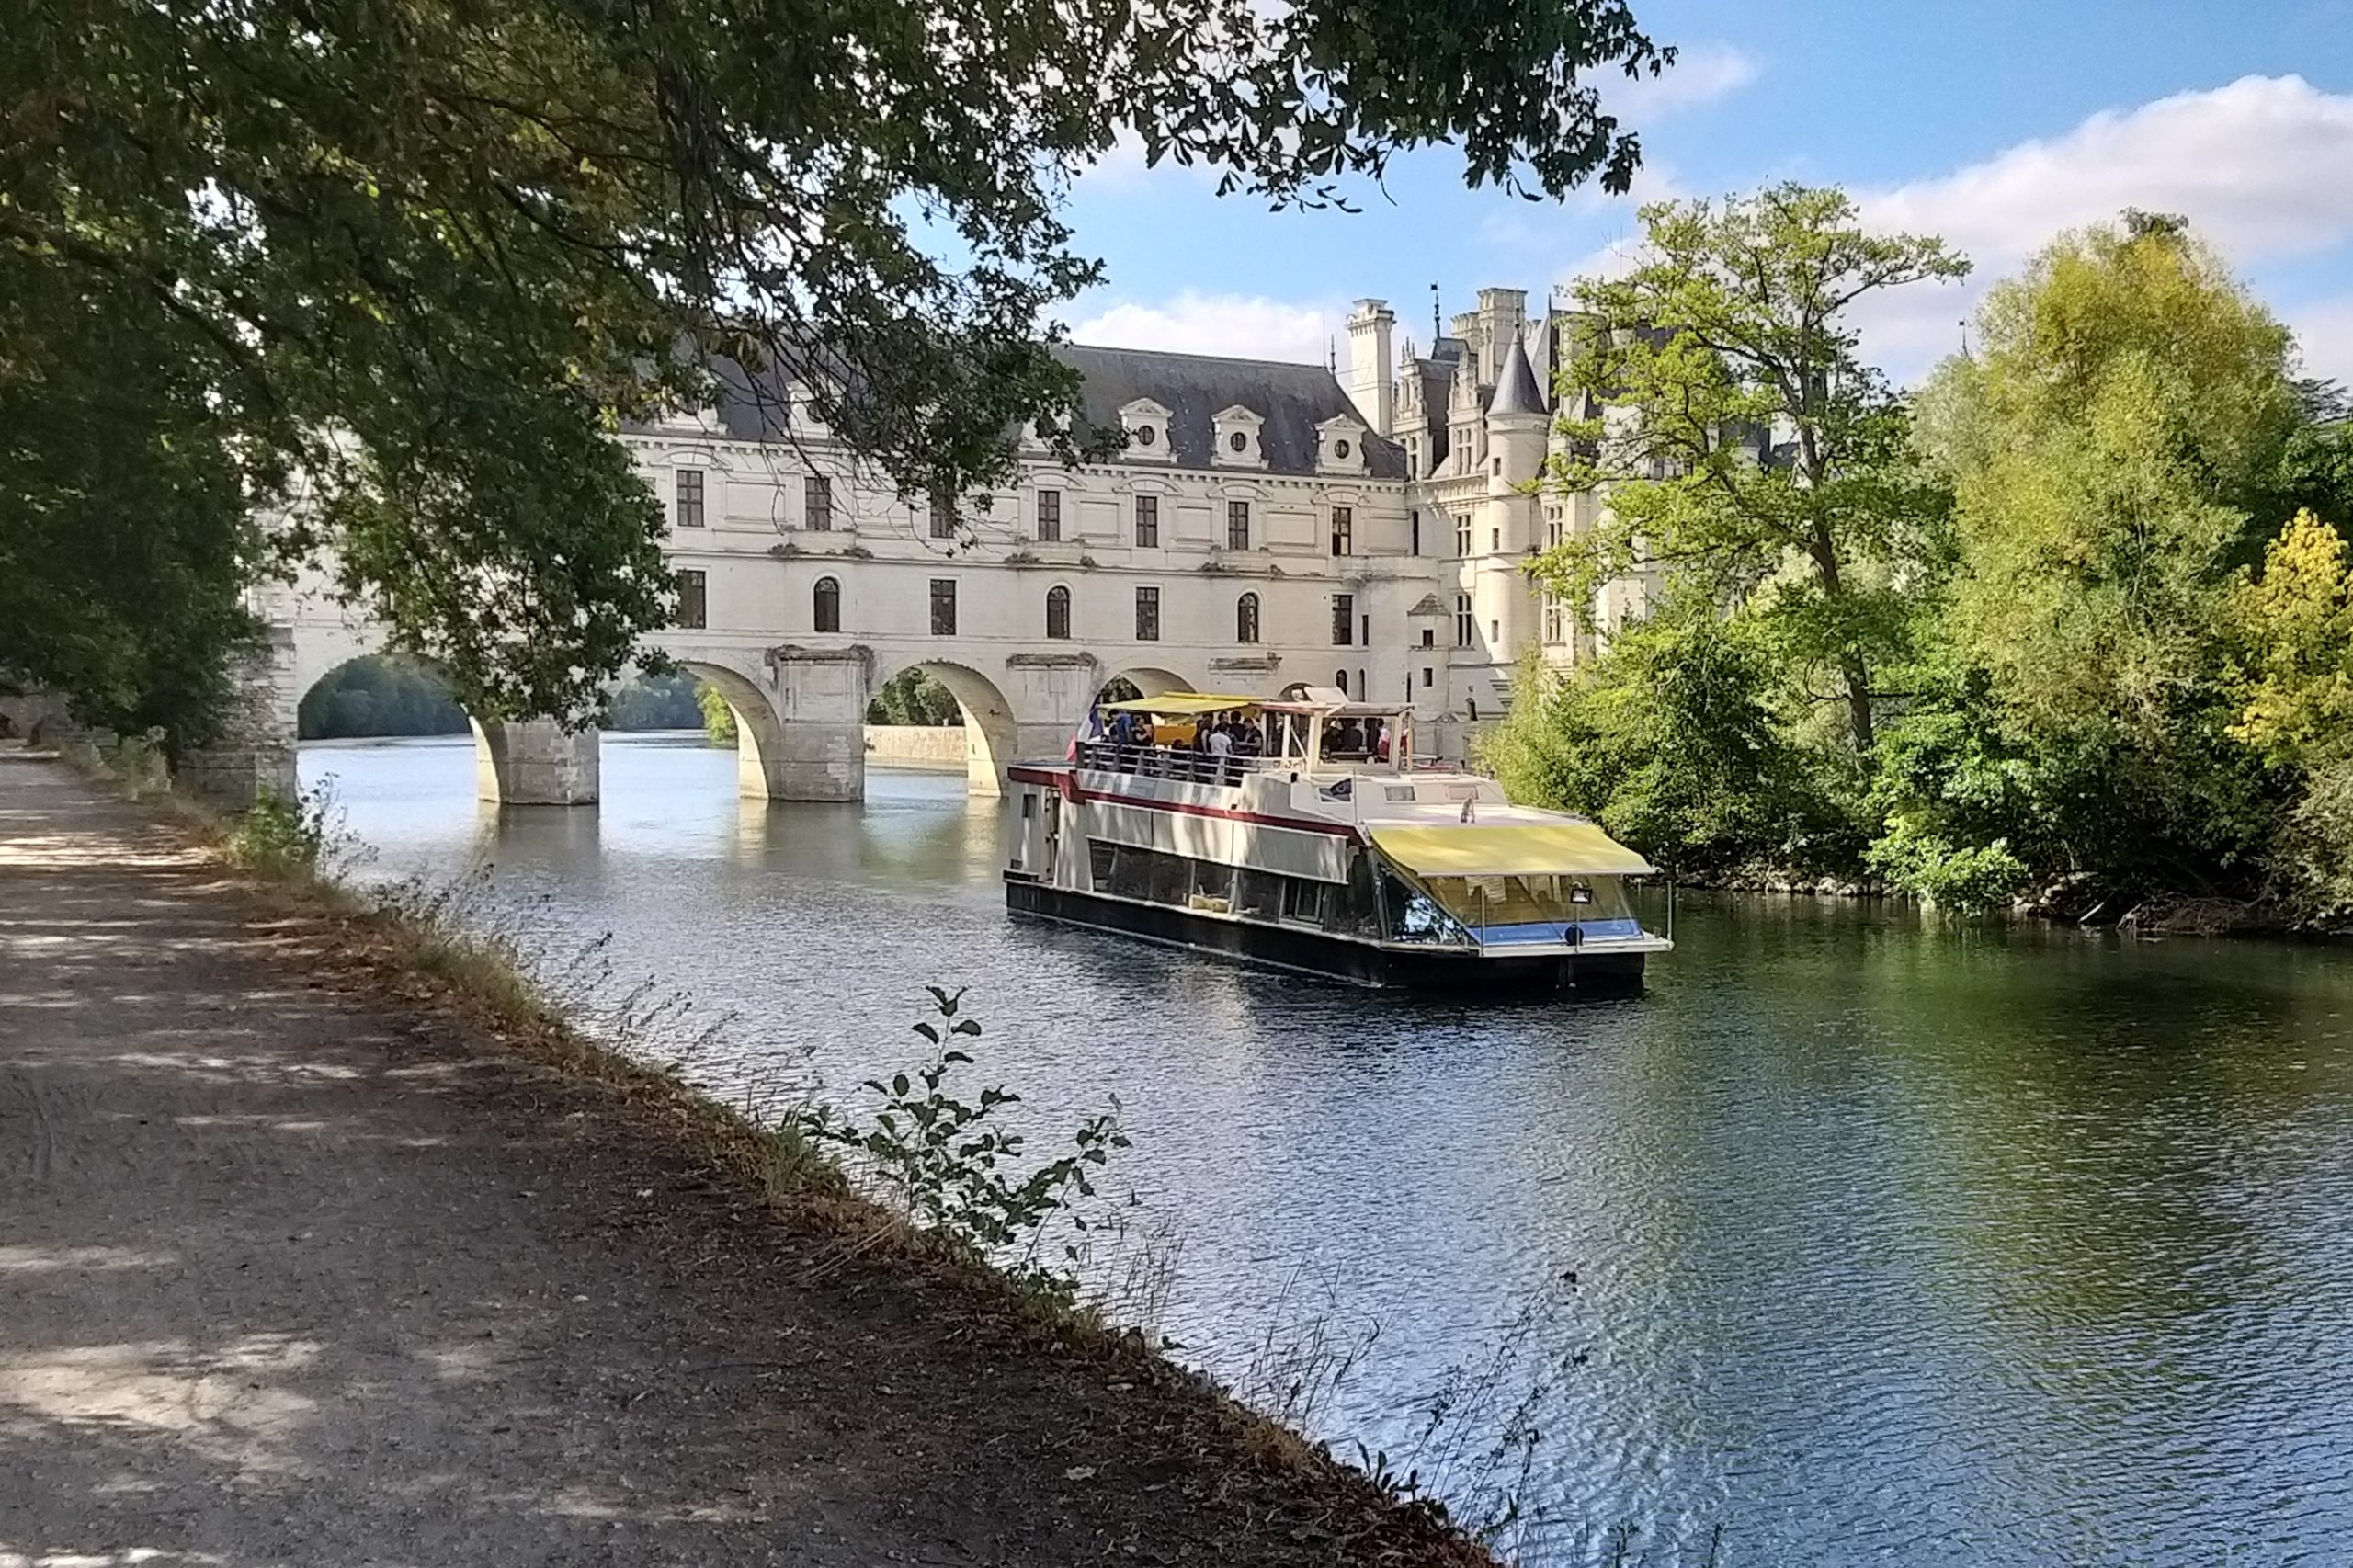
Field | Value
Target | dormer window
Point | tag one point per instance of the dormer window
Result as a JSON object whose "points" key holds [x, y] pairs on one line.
{"points": [[1339, 445], [1237, 438], [1146, 424]]}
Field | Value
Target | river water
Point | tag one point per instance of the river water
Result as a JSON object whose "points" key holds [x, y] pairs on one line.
{"points": [[1860, 1238]]}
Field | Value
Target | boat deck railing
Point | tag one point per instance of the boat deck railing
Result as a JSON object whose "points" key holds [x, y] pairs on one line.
{"points": [[1183, 763]]}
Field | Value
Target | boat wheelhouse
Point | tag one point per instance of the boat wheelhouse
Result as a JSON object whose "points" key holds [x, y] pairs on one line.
{"points": [[1303, 832]]}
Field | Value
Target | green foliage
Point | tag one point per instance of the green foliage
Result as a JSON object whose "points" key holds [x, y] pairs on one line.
{"points": [[428, 257], [124, 539], [961, 1176], [718, 719], [379, 697], [669, 702], [1668, 740], [2091, 575], [1744, 444], [2295, 624], [278, 838], [914, 697]]}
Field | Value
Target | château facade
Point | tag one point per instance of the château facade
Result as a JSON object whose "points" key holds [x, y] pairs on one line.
{"points": [[1266, 523]]}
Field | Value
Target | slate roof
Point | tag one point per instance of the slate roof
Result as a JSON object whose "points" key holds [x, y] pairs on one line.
{"points": [[1515, 390], [1292, 400]]}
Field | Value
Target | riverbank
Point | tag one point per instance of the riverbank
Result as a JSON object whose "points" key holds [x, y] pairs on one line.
{"points": [[318, 1258]]}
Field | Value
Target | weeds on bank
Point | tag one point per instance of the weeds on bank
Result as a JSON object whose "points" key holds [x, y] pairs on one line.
{"points": [[949, 1165]]}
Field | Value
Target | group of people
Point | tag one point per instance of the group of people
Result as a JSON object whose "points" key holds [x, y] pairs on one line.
{"points": [[1215, 738]]}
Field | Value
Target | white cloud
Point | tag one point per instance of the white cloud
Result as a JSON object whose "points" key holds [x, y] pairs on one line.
{"points": [[2324, 330], [2258, 167], [1701, 74], [1249, 327]]}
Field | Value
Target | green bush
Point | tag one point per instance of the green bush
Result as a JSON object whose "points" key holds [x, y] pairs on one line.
{"points": [[957, 1173], [278, 838]]}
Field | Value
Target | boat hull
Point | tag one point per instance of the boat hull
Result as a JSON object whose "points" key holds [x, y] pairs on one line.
{"points": [[1317, 952]]}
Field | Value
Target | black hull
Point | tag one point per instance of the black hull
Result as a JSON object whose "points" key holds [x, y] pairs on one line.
{"points": [[1313, 952]]}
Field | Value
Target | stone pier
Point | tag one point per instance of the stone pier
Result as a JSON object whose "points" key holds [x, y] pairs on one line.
{"points": [[252, 758], [535, 762]]}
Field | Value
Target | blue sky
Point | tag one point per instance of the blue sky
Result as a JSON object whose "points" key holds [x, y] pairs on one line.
{"points": [[1994, 124]]}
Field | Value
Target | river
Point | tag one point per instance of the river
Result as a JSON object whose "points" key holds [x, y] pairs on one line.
{"points": [[1892, 1240]]}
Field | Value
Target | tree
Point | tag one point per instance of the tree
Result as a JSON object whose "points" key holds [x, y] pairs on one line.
{"points": [[1741, 439], [1668, 740], [2127, 405], [914, 697], [2295, 631], [414, 261], [718, 719], [2127, 401]]}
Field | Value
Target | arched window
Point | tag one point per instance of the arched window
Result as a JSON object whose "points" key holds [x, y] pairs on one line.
{"points": [[826, 605], [1058, 613], [1340, 679], [1245, 618]]}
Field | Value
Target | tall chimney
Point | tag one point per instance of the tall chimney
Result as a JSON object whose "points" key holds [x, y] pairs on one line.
{"points": [[1371, 384]]}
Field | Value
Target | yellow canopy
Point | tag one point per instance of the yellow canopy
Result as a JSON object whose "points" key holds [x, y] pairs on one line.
{"points": [[1568, 848], [1180, 702]]}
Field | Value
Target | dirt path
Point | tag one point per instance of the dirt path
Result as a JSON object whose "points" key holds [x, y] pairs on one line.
{"points": [[290, 1273]]}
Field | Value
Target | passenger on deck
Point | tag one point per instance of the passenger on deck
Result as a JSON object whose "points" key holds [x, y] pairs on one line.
{"points": [[1344, 740]]}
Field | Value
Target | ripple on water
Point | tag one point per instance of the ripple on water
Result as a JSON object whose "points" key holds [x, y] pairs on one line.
{"points": [[1893, 1243]]}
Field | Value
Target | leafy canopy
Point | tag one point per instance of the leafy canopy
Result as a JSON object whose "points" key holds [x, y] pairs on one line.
{"points": [[403, 267], [1742, 440]]}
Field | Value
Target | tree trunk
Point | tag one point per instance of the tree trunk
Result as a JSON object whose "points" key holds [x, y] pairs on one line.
{"points": [[1850, 662]]}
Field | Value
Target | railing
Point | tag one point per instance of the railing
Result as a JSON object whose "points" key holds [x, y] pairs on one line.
{"points": [[1183, 763]]}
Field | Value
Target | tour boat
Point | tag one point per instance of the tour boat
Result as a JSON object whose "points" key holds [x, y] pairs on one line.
{"points": [[1302, 831]]}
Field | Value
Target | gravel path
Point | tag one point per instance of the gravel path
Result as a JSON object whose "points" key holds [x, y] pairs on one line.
{"points": [[296, 1270]]}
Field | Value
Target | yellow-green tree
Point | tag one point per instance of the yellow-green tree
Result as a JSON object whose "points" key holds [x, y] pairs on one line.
{"points": [[2295, 621]]}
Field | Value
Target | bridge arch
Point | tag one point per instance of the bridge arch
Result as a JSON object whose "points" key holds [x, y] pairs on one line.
{"points": [[992, 729], [527, 762], [759, 728]]}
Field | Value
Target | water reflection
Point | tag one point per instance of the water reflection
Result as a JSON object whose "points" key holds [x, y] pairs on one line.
{"points": [[1894, 1242]]}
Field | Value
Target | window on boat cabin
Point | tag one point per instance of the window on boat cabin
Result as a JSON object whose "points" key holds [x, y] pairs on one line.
{"points": [[1050, 517], [1029, 804], [1147, 522], [1344, 619], [1259, 895], [1212, 887], [693, 603], [690, 497], [943, 606], [1245, 618], [1058, 613], [817, 503], [1100, 856], [1147, 615], [1304, 901], [825, 605]]}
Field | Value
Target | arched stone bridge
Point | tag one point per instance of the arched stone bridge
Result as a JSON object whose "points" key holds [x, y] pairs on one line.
{"points": [[800, 708]]}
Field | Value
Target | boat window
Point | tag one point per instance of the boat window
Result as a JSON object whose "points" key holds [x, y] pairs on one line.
{"points": [[1212, 887], [1415, 916], [1029, 804], [1304, 901], [1353, 907], [1397, 792], [1100, 856], [1259, 895]]}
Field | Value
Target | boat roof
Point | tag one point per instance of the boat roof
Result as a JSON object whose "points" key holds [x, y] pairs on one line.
{"points": [[1568, 848]]}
